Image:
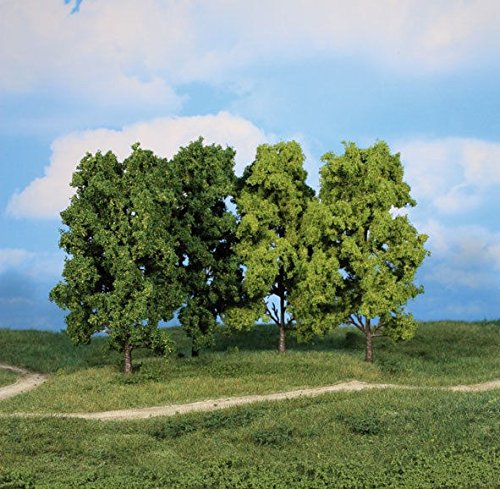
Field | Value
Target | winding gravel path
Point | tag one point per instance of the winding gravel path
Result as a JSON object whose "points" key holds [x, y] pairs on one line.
{"points": [[223, 403], [26, 382], [31, 380]]}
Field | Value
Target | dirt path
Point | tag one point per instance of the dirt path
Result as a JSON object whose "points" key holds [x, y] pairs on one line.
{"points": [[31, 380], [215, 404], [26, 382], [223, 403]]}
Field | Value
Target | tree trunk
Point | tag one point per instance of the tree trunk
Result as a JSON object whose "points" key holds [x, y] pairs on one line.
{"points": [[369, 347], [127, 368], [282, 345]]}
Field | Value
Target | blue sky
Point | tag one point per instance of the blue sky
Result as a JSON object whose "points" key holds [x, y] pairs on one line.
{"points": [[102, 74]]}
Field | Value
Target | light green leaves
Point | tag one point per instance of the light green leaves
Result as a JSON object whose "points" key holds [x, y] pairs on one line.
{"points": [[271, 203], [362, 260]]}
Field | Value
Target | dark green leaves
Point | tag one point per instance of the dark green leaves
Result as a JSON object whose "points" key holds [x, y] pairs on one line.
{"points": [[205, 236], [120, 275]]}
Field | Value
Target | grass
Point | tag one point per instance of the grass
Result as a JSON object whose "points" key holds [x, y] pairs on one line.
{"points": [[47, 352], [7, 377], [398, 439], [441, 354], [213, 375], [391, 438]]}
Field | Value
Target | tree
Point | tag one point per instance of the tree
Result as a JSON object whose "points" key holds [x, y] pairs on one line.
{"points": [[121, 275], [362, 253], [211, 272], [272, 199]]}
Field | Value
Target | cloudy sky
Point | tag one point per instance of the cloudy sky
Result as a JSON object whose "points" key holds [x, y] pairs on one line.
{"points": [[77, 76]]}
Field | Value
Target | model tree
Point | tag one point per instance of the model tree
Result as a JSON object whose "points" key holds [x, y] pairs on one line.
{"points": [[272, 200], [121, 275], [363, 252], [211, 273]]}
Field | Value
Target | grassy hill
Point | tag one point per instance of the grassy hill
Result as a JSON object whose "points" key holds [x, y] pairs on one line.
{"points": [[398, 439], [390, 438], [88, 378]]}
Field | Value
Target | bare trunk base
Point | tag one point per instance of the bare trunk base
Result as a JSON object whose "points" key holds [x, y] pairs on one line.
{"points": [[369, 348], [282, 343], [127, 367]]}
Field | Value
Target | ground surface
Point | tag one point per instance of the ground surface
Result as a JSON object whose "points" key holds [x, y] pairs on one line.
{"points": [[29, 381], [26, 381], [426, 415], [87, 379]]}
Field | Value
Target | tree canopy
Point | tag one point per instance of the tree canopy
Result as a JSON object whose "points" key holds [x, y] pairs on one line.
{"points": [[273, 197], [362, 252], [205, 235], [121, 274], [148, 237]]}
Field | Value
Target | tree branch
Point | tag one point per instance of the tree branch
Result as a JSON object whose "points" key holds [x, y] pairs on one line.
{"points": [[357, 325], [274, 318]]}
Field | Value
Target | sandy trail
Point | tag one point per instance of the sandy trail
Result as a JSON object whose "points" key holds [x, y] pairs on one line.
{"points": [[26, 382], [223, 403], [31, 380], [215, 404]]}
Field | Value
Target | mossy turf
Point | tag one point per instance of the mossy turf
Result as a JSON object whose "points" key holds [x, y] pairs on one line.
{"points": [[47, 352], [7, 377], [89, 378], [395, 438], [391, 438]]}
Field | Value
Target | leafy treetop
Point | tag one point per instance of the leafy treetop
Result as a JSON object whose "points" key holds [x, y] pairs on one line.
{"points": [[272, 200], [362, 252], [211, 272], [121, 275]]}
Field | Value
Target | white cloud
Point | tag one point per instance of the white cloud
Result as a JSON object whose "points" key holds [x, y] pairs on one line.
{"points": [[463, 255], [481, 162], [458, 199], [408, 34], [137, 50], [46, 196], [12, 257], [452, 174], [36, 265], [108, 53]]}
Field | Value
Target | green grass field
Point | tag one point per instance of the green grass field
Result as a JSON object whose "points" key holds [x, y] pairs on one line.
{"points": [[7, 377], [394, 438], [370, 439], [89, 378]]}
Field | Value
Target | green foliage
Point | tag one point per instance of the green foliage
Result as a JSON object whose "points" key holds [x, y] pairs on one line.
{"points": [[271, 202], [362, 256], [211, 276], [362, 424], [275, 436], [120, 275], [211, 422], [15, 480]]}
